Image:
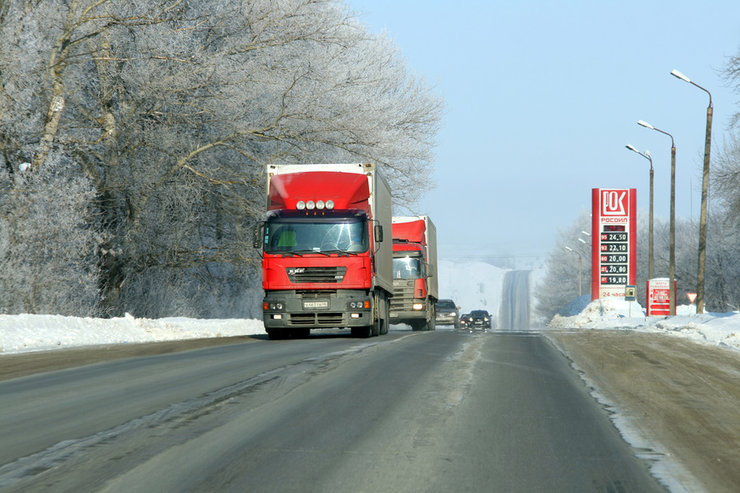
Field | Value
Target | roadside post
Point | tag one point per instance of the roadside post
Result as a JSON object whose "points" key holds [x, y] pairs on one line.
{"points": [[630, 296]]}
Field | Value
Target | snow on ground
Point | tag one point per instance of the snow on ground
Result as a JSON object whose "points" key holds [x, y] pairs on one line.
{"points": [[20, 333], [473, 285], [721, 329]]}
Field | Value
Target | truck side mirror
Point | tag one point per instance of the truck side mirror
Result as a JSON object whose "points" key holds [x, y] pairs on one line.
{"points": [[379, 233], [259, 232]]}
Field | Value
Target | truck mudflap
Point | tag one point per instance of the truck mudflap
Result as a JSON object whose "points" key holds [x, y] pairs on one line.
{"points": [[317, 309]]}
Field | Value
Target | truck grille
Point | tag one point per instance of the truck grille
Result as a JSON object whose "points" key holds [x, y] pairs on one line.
{"points": [[403, 294], [323, 319], [316, 274]]}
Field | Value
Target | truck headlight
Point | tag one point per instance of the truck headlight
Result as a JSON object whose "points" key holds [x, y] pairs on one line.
{"points": [[418, 306], [359, 305]]}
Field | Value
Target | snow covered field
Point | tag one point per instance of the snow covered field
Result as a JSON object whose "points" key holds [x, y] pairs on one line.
{"points": [[473, 285]]}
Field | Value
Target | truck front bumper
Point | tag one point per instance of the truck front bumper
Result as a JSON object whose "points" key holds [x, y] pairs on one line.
{"points": [[317, 309], [405, 316]]}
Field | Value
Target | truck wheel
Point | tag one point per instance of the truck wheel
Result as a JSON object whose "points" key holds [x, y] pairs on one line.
{"points": [[431, 325], [381, 316], [386, 317], [417, 326], [377, 325]]}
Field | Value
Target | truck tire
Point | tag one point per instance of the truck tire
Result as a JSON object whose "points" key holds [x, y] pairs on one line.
{"points": [[432, 322], [386, 317]]}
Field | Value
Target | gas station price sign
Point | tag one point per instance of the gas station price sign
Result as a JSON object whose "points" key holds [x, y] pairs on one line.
{"points": [[614, 241]]}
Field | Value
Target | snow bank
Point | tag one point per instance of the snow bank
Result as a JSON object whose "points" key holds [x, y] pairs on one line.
{"points": [[19, 333], [722, 329]]}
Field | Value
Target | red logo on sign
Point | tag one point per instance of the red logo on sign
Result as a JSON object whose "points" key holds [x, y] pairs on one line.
{"points": [[613, 202]]}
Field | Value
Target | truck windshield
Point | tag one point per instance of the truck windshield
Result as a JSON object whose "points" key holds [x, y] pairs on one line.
{"points": [[308, 235], [406, 268]]}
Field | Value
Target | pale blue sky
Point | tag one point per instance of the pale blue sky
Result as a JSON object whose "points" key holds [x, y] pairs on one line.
{"points": [[541, 98]]}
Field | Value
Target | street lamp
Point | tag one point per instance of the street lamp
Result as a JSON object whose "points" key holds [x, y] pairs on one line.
{"points": [[588, 251], [647, 156], [704, 193], [580, 269], [672, 259]]}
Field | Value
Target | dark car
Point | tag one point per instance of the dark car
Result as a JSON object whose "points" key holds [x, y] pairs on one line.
{"points": [[447, 313], [479, 319], [465, 320]]}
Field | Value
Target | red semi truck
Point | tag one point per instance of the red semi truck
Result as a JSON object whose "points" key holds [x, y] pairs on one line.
{"points": [[325, 262], [414, 272]]}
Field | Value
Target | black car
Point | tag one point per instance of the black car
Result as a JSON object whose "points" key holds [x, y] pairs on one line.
{"points": [[465, 320], [447, 313], [479, 319]]}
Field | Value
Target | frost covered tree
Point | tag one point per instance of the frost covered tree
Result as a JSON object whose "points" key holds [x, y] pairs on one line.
{"points": [[49, 241], [723, 242], [560, 284], [171, 110]]}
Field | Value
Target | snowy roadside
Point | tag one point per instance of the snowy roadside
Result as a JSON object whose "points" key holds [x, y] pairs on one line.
{"points": [[23, 333], [717, 329]]}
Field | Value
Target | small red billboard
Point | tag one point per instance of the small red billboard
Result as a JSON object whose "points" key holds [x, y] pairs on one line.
{"points": [[658, 297], [614, 241]]}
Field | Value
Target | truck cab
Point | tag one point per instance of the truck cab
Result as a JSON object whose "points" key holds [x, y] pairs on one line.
{"points": [[325, 263]]}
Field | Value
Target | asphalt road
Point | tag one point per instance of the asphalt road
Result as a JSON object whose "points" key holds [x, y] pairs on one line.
{"points": [[424, 411], [515, 299]]}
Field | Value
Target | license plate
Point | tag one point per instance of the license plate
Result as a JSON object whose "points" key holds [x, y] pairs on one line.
{"points": [[315, 305]]}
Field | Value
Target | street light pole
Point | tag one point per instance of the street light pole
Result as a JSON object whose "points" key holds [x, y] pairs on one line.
{"points": [[588, 252], [651, 257], [672, 255], [580, 270], [704, 195]]}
